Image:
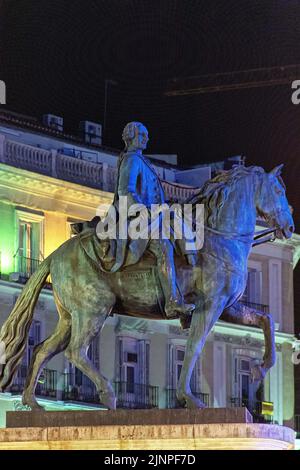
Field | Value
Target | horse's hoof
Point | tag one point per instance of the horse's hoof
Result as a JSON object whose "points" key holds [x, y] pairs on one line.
{"points": [[191, 402], [32, 404], [108, 400], [194, 403], [258, 373]]}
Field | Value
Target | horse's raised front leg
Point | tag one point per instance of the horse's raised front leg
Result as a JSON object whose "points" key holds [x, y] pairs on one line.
{"points": [[243, 315], [202, 322]]}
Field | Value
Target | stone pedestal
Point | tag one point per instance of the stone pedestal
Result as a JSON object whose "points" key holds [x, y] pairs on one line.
{"points": [[219, 428]]}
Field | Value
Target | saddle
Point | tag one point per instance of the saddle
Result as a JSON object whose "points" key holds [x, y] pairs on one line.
{"points": [[104, 252]]}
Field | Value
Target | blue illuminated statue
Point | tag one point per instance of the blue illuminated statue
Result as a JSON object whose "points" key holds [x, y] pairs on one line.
{"points": [[91, 280], [138, 181]]}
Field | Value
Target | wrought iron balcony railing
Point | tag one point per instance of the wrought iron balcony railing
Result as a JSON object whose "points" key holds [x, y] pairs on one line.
{"points": [[26, 266], [46, 386], [131, 395], [84, 392], [71, 168], [259, 307], [262, 411], [172, 401]]}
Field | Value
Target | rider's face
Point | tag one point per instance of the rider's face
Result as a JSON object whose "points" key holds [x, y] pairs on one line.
{"points": [[140, 140]]}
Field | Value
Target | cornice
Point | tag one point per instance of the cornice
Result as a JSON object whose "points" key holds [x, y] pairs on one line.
{"points": [[47, 192], [250, 332]]}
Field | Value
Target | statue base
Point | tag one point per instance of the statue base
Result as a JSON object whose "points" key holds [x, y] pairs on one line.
{"points": [[176, 429]]}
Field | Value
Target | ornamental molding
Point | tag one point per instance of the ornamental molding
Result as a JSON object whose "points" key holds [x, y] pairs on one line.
{"points": [[246, 340], [133, 325], [33, 190]]}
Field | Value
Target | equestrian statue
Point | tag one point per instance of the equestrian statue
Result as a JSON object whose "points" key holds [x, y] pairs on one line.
{"points": [[152, 278]]}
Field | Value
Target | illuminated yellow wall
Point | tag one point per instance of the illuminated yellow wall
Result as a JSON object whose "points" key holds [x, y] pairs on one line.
{"points": [[55, 232]]}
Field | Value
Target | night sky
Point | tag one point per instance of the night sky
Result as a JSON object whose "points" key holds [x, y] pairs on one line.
{"points": [[56, 54]]}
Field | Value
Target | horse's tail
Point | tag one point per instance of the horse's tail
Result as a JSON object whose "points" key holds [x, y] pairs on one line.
{"points": [[14, 332]]}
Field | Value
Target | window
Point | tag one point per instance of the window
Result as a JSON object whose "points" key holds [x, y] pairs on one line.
{"points": [[245, 365], [253, 291], [133, 362], [275, 291], [129, 364], [132, 357], [180, 350], [29, 242], [244, 387], [130, 376], [180, 354]]}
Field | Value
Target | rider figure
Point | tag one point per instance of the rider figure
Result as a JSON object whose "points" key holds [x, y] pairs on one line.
{"points": [[139, 182]]}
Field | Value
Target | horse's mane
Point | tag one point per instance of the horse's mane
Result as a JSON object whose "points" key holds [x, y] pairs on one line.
{"points": [[215, 191]]}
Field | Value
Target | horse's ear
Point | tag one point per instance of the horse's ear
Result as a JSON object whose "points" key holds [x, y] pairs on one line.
{"points": [[277, 170]]}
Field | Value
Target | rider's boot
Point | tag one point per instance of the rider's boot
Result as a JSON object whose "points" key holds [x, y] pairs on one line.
{"points": [[174, 303], [175, 307]]}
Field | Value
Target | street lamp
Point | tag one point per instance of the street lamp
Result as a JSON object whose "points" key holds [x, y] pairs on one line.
{"points": [[107, 82]]}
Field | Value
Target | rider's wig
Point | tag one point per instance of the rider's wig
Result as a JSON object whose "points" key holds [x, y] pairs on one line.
{"points": [[129, 131]]}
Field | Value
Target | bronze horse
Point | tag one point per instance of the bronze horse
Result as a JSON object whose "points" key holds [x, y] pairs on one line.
{"points": [[85, 296]]}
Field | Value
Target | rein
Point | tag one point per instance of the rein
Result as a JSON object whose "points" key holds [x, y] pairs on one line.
{"points": [[257, 238], [260, 237]]}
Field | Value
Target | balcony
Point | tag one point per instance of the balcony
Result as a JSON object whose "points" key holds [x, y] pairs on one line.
{"points": [[178, 193], [57, 165], [172, 401], [259, 307], [85, 392], [262, 411], [46, 386], [74, 169], [26, 266], [136, 396]]}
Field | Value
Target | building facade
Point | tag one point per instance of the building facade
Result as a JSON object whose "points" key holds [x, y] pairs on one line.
{"points": [[49, 180]]}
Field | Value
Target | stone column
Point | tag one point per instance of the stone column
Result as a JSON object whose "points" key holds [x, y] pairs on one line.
{"points": [[105, 176], [53, 163], [288, 399], [2, 148]]}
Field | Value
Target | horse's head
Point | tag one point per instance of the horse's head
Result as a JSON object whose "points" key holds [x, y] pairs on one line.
{"points": [[272, 204]]}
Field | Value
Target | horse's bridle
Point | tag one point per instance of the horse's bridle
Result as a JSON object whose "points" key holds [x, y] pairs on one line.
{"points": [[256, 238]]}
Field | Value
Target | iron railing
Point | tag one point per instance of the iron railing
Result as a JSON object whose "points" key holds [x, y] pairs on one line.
{"points": [[84, 392], [255, 407], [139, 396], [26, 266], [19, 380], [259, 307], [172, 402], [46, 386], [73, 168]]}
